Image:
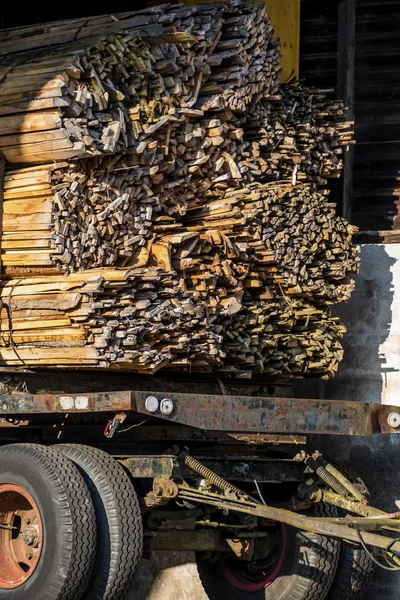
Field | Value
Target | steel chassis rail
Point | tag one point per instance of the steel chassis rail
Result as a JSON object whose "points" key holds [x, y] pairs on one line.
{"points": [[248, 414]]}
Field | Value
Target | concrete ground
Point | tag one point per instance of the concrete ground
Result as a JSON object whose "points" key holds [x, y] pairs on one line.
{"points": [[169, 576]]}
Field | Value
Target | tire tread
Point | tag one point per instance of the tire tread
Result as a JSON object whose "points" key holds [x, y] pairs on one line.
{"points": [[79, 522], [124, 519]]}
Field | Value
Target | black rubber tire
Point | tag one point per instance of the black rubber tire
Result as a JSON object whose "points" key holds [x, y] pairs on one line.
{"points": [[307, 572], [119, 521], [68, 519], [356, 569]]}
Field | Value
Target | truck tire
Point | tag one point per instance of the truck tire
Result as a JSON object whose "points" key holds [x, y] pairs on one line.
{"points": [[304, 569], [119, 521], [48, 538], [356, 568]]}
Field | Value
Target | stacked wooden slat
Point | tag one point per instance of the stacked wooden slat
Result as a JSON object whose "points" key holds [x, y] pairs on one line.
{"points": [[277, 235], [300, 136], [101, 211], [142, 320], [283, 338], [27, 222], [244, 65], [80, 105], [267, 260], [158, 24], [73, 216], [101, 318], [100, 95], [205, 239], [231, 37]]}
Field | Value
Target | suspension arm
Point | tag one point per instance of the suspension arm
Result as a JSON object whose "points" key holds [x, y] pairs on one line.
{"points": [[339, 529], [370, 514]]}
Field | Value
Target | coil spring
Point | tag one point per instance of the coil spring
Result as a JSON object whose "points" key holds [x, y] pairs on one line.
{"points": [[331, 481], [210, 476]]}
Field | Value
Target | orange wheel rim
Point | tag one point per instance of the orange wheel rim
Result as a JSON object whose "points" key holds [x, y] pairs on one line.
{"points": [[21, 536]]}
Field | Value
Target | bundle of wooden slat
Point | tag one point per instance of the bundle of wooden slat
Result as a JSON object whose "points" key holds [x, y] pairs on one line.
{"points": [[259, 264], [269, 235], [101, 210], [60, 217], [142, 321], [282, 338], [195, 232], [159, 24], [81, 105], [72, 216], [299, 136], [77, 215], [102, 318], [244, 64], [101, 95]]}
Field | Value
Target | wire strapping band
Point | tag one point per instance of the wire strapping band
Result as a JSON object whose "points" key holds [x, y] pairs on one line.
{"points": [[372, 557], [10, 323]]}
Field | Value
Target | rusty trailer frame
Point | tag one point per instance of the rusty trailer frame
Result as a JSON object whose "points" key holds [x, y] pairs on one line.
{"points": [[247, 414], [247, 420]]}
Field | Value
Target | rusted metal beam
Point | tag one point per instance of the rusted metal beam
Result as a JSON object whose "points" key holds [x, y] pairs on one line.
{"points": [[200, 540], [183, 433], [20, 403], [219, 413], [234, 468], [271, 415]]}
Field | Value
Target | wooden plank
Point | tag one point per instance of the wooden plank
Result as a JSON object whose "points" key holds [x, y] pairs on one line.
{"points": [[346, 91], [32, 105], [25, 207], [78, 150], [40, 121], [43, 242], [17, 139], [12, 153], [30, 179]]}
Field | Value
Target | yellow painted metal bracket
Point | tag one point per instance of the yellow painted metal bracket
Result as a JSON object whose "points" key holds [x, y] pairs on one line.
{"points": [[285, 16]]}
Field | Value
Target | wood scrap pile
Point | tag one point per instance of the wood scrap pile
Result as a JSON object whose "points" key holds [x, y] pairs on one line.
{"points": [[68, 217], [301, 136], [84, 102], [144, 320], [282, 338], [101, 95], [272, 235], [253, 271], [196, 233], [101, 318]]}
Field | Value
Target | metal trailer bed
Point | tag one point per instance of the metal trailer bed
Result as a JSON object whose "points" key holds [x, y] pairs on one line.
{"points": [[203, 454]]}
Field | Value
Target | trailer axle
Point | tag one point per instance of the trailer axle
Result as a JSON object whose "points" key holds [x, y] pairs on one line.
{"points": [[347, 529]]}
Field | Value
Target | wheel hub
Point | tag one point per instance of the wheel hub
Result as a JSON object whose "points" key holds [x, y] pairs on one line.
{"points": [[257, 574], [21, 536], [31, 536]]}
